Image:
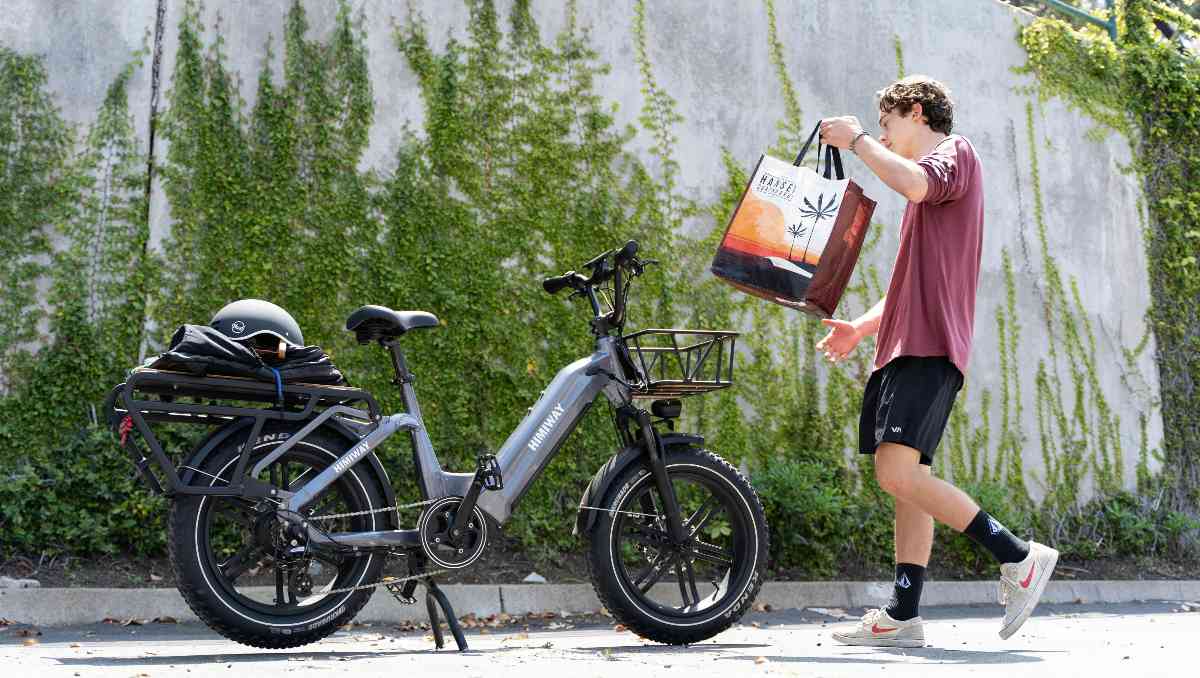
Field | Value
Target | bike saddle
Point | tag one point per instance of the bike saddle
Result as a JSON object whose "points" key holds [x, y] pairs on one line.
{"points": [[370, 323]]}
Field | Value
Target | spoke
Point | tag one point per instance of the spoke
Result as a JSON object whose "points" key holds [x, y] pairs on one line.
{"points": [[654, 572], [278, 584], [645, 534], [712, 553], [691, 580], [238, 563], [683, 589], [703, 514]]}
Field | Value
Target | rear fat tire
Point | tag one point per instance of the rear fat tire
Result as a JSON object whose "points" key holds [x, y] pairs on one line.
{"points": [[220, 610], [611, 586]]}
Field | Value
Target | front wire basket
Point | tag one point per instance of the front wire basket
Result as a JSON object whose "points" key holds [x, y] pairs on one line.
{"points": [[674, 363]]}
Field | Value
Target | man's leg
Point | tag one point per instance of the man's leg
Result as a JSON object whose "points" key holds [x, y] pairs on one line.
{"points": [[914, 541], [1025, 567], [898, 470]]}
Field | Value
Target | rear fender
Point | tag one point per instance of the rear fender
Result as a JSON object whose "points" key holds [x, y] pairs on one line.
{"points": [[215, 438]]}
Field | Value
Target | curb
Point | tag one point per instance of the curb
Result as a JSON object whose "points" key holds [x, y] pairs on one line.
{"points": [[59, 607]]}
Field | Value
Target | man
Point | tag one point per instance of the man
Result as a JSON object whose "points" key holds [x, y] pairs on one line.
{"points": [[923, 329]]}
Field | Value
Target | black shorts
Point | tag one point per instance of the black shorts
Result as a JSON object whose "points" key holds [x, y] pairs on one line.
{"points": [[908, 401]]}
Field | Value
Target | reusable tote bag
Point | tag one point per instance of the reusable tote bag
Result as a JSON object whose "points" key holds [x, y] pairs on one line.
{"points": [[796, 233]]}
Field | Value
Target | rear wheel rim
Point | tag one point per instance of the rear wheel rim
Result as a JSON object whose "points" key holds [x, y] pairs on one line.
{"points": [[251, 568]]}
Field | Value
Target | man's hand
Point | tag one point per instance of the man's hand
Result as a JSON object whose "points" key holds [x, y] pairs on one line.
{"points": [[841, 131], [842, 338]]}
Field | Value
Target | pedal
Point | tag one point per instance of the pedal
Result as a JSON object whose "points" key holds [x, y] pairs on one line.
{"points": [[488, 473]]}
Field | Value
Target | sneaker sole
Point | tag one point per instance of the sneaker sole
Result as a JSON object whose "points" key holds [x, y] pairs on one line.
{"points": [[1040, 586], [879, 642]]}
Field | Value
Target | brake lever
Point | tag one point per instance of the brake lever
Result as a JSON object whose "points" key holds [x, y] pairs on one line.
{"points": [[639, 265]]}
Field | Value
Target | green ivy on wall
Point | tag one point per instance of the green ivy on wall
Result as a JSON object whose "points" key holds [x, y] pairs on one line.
{"points": [[1147, 88], [517, 171]]}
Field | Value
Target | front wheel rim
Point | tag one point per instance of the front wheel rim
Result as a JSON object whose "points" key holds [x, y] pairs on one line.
{"points": [[691, 581]]}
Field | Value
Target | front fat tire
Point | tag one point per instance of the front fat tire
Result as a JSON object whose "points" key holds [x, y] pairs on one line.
{"points": [[608, 582], [225, 614]]}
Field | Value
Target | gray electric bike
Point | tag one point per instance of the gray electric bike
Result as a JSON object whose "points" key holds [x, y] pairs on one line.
{"points": [[282, 518]]}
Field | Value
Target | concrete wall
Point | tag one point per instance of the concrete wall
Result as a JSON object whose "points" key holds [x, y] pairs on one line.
{"points": [[713, 59]]}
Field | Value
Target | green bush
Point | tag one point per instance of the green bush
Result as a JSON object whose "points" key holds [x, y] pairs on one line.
{"points": [[82, 498], [1124, 525], [807, 512]]}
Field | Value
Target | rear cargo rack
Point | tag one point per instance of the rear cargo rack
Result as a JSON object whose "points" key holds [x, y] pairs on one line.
{"points": [[132, 405]]}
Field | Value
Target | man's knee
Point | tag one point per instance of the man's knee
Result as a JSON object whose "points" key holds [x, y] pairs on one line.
{"points": [[894, 479], [896, 469]]}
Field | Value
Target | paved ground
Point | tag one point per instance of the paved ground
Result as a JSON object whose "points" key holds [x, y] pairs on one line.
{"points": [[1147, 639]]}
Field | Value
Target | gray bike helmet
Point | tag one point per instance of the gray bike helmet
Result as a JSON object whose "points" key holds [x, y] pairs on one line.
{"points": [[249, 318]]}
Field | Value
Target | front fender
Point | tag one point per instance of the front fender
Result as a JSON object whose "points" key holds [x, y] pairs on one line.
{"points": [[598, 487]]}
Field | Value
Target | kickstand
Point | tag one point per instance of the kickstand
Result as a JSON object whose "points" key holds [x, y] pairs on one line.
{"points": [[433, 598]]}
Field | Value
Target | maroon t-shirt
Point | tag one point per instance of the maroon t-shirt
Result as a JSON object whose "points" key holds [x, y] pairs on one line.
{"points": [[930, 305]]}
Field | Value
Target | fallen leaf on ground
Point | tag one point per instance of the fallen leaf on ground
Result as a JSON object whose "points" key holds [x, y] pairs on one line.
{"points": [[619, 628], [29, 642], [133, 622], [29, 632], [155, 577], [760, 660], [165, 620]]}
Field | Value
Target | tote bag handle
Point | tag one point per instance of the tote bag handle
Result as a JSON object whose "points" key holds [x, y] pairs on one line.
{"points": [[833, 156]]}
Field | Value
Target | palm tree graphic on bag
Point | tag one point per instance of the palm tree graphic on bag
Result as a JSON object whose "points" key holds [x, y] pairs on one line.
{"points": [[816, 213]]}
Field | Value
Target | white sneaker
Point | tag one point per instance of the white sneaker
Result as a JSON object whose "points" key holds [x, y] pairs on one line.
{"points": [[1021, 585], [878, 629]]}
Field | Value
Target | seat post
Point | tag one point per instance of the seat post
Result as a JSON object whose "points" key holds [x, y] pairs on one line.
{"points": [[404, 378], [399, 364]]}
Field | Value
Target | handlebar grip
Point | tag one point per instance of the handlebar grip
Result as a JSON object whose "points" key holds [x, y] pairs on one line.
{"points": [[553, 285], [626, 253]]}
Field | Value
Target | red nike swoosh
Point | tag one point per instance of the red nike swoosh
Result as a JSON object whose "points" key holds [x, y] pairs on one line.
{"points": [[875, 629], [1025, 584]]}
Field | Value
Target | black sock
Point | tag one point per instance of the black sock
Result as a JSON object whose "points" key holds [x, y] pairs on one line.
{"points": [[906, 592], [991, 535]]}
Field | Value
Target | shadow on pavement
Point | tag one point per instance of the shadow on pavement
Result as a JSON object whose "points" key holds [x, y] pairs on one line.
{"points": [[664, 649], [198, 659], [942, 656]]}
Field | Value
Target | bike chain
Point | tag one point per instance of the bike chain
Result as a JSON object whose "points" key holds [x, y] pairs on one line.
{"points": [[391, 583]]}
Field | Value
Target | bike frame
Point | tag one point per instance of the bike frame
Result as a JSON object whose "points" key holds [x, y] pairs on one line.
{"points": [[528, 449]]}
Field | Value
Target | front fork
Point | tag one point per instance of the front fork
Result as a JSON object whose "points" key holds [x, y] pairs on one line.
{"points": [[656, 461]]}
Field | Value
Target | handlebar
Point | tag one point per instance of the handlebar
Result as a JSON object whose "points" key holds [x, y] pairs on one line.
{"points": [[623, 262], [558, 282]]}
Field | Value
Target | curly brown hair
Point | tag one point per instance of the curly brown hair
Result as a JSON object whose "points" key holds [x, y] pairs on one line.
{"points": [[936, 106]]}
